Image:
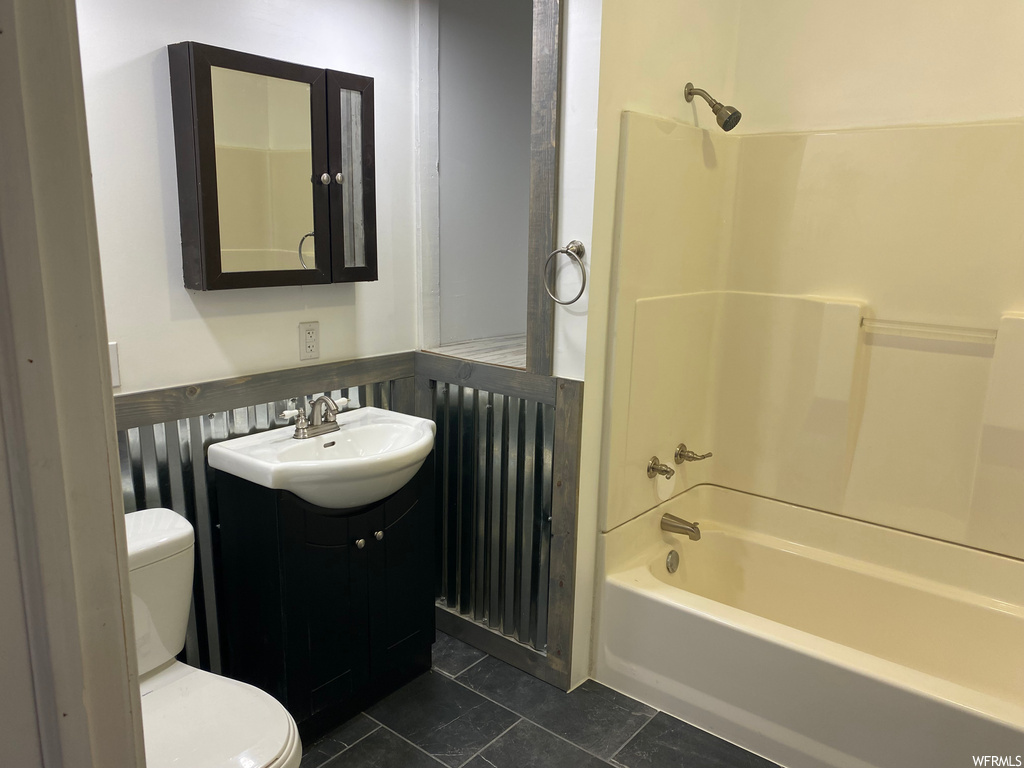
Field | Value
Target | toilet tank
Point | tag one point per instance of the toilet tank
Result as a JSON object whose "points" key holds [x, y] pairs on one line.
{"points": [[160, 565]]}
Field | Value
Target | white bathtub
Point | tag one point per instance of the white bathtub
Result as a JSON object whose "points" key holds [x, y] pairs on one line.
{"points": [[815, 640]]}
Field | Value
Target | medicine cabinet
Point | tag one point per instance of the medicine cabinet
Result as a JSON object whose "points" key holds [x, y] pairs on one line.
{"points": [[275, 167]]}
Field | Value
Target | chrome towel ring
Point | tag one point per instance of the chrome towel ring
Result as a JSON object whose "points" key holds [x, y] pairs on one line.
{"points": [[575, 251], [301, 260]]}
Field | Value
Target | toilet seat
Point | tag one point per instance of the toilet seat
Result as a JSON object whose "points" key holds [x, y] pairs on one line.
{"points": [[201, 720]]}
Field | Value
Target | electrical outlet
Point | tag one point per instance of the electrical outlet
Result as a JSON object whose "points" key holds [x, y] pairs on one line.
{"points": [[309, 340]]}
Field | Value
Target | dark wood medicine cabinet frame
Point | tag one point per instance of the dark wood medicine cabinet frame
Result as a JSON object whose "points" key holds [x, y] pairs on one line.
{"points": [[195, 150]]}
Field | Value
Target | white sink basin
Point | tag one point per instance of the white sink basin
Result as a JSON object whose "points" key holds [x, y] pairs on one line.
{"points": [[372, 455]]}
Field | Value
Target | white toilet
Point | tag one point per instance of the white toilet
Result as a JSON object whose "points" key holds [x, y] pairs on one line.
{"points": [[192, 718]]}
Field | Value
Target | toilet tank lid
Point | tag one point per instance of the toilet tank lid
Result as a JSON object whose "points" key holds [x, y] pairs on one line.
{"points": [[154, 534]]}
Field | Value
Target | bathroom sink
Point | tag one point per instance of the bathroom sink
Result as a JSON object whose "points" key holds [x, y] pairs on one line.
{"points": [[373, 454]]}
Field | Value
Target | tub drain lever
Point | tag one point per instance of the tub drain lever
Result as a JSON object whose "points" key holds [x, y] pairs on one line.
{"points": [[685, 454]]}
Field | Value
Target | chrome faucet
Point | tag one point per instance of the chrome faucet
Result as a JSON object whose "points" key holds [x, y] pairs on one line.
{"points": [[674, 524], [655, 468], [328, 414], [323, 418]]}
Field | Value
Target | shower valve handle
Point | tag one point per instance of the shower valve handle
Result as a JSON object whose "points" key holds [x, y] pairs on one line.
{"points": [[685, 454]]}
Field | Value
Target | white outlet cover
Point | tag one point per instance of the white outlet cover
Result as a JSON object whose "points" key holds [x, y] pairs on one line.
{"points": [[309, 340]]}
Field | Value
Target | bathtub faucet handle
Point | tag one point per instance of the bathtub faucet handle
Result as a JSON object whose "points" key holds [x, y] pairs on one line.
{"points": [[655, 468], [685, 454]]}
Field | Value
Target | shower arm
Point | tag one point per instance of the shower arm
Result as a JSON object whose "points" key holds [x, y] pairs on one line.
{"points": [[690, 91]]}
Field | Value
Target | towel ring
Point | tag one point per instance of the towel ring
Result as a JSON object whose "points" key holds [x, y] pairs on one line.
{"points": [[301, 260], [576, 252]]}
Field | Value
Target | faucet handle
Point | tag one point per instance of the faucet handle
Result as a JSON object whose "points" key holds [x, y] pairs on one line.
{"points": [[685, 454], [299, 416], [655, 468]]}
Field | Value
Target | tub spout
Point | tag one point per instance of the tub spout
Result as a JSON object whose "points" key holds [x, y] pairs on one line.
{"points": [[655, 468], [674, 524]]}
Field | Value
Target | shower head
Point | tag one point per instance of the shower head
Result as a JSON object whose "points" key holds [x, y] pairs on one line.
{"points": [[726, 116]]}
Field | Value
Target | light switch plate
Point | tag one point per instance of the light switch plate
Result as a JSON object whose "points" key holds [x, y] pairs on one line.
{"points": [[115, 365]]}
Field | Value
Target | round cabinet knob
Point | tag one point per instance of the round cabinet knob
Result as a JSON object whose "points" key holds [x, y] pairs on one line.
{"points": [[360, 543], [325, 179], [379, 535], [340, 178]]}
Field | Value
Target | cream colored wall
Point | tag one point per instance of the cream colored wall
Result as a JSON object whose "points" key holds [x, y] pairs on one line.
{"points": [[675, 191], [917, 225], [645, 47], [904, 217], [923, 224], [826, 65], [916, 217]]}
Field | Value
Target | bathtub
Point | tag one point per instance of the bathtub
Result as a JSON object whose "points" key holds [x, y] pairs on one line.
{"points": [[815, 640]]}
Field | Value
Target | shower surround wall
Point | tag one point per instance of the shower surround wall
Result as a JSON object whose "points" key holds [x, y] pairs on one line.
{"points": [[918, 225], [878, 161], [865, 174]]}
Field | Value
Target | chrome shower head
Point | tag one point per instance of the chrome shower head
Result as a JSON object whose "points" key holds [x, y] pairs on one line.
{"points": [[726, 116]]}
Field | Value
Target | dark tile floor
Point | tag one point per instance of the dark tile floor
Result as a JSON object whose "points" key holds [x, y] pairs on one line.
{"points": [[475, 711]]}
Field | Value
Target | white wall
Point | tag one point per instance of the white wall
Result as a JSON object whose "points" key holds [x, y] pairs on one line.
{"points": [[166, 334], [577, 164], [577, 167], [484, 63]]}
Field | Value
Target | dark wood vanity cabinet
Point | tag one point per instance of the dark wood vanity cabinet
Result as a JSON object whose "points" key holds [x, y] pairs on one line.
{"points": [[328, 610]]}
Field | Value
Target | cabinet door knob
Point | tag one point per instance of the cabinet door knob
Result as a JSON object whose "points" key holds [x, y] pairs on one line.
{"points": [[340, 178], [360, 543], [379, 535], [325, 179]]}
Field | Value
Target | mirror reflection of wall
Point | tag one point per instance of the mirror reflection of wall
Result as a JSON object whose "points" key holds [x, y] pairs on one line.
{"points": [[264, 163], [484, 111]]}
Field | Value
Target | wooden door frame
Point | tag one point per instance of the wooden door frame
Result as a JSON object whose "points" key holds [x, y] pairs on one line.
{"points": [[544, 133], [59, 483]]}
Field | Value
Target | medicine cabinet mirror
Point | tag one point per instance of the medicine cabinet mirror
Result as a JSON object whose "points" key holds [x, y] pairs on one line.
{"points": [[275, 169]]}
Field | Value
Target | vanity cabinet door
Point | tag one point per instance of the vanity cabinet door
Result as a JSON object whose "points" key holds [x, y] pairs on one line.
{"points": [[250, 585], [325, 605], [401, 588]]}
